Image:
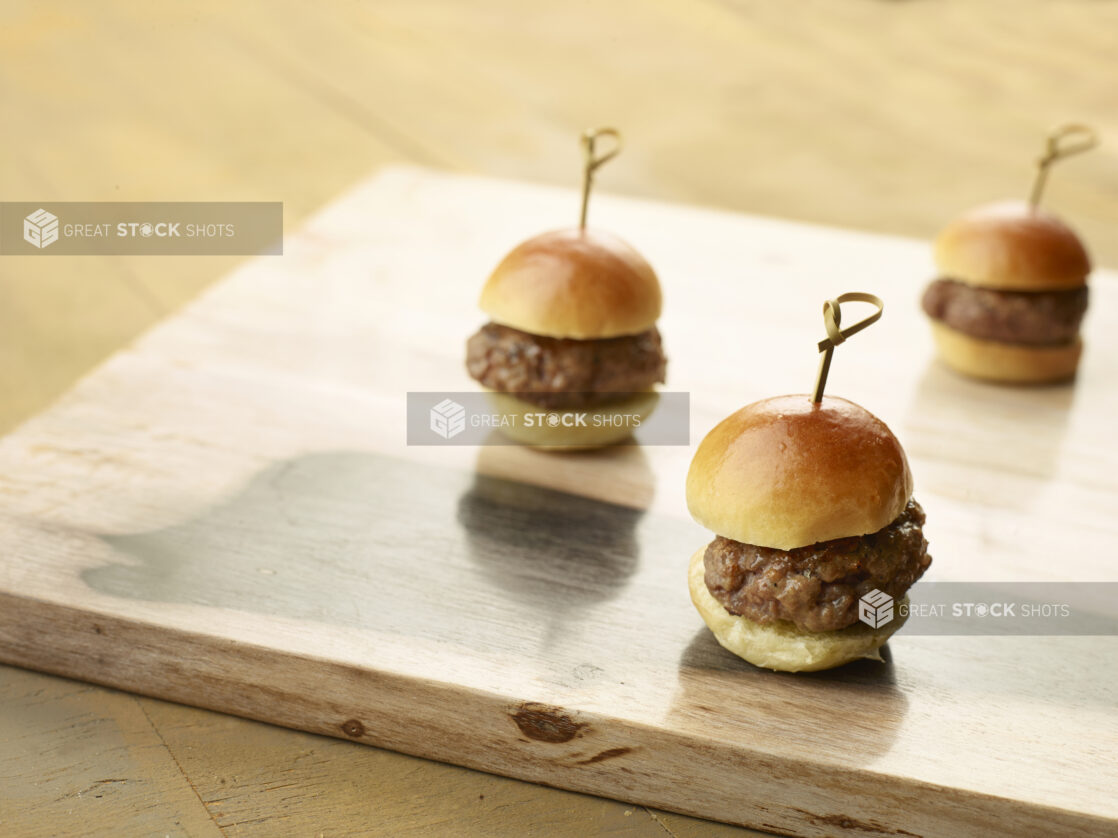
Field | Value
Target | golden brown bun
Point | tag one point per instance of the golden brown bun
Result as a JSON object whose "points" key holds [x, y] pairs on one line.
{"points": [[580, 284], [785, 473], [781, 645], [597, 432], [1009, 246], [1012, 363]]}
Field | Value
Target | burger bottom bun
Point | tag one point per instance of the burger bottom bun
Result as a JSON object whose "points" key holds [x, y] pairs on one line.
{"points": [[1012, 363], [781, 646], [600, 426]]}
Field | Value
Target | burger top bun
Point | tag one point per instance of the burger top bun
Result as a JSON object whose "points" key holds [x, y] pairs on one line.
{"points": [[1013, 247], [785, 473], [576, 283]]}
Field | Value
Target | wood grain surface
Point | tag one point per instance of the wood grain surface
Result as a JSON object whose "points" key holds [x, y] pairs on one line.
{"points": [[884, 116], [227, 515]]}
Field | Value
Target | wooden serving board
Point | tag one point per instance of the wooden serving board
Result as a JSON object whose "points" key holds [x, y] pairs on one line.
{"points": [[227, 515]]}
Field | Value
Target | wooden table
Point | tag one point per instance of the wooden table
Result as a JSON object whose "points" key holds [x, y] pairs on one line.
{"points": [[927, 108]]}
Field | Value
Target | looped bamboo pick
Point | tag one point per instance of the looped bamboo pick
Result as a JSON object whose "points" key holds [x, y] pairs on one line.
{"points": [[1062, 141], [593, 161], [832, 318]]}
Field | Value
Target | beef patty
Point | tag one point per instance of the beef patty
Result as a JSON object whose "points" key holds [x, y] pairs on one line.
{"points": [[562, 372], [1028, 317], [818, 587]]}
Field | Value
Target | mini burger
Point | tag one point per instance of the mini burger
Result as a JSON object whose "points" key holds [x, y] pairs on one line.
{"points": [[1011, 295], [812, 509], [572, 330], [1012, 286]]}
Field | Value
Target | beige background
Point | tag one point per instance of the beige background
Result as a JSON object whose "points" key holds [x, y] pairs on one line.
{"points": [[887, 116]]}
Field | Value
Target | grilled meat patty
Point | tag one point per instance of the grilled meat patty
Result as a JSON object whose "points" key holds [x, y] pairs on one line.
{"points": [[1028, 317], [562, 372], [818, 587]]}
